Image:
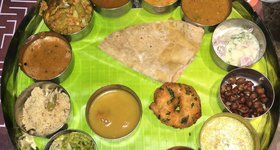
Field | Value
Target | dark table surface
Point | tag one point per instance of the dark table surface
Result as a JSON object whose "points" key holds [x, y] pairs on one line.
{"points": [[13, 11], [11, 14]]}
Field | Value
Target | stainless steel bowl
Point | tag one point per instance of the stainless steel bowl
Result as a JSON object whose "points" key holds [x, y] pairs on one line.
{"points": [[60, 5], [257, 79], [237, 23], [108, 88], [83, 33], [114, 12], [252, 131], [20, 102], [65, 132], [40, 40], [179, 148], [192, 21], [157, 9]]}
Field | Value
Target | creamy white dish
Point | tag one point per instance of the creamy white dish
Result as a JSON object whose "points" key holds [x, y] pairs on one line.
{"points": [[45, 111], [226, 133], [237, 46]]}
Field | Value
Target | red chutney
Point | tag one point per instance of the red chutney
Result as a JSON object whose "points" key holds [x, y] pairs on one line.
{"points": [[109, 3]]}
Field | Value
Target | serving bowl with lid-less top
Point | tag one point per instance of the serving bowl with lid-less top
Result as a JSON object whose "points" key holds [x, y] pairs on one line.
{"points": [[113, 10], [114, 111], [46, 56], [160, 7], [206, 12], [227, 130], [42, 109], [72, 19], [247, 92], [76, 139], [237, 43]]}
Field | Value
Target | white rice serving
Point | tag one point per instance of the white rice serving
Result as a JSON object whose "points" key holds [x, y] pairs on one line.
{"points": [[45, 111]]}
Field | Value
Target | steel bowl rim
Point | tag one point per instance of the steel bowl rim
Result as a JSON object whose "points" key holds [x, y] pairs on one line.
{"points": [[153, 8], [87, 29], [103, 11], [160, 6], [252, 130], [107, 88], [28, 91], [114, 8], [63, 132], [38, 36], [241, 20], [262, 75], [202, 25]]}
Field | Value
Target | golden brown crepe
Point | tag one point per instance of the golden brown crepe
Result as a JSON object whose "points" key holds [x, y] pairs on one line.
{"points": [[160, 50]]}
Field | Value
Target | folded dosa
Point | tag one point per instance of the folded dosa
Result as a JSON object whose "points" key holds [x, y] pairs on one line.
{"points": [[161, 50]]}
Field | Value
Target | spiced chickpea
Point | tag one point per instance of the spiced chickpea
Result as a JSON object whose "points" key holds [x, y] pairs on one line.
{"points": [[240, 96]]}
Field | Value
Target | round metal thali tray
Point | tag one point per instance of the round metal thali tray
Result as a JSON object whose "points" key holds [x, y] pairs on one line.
{"points": [[94, 69]]}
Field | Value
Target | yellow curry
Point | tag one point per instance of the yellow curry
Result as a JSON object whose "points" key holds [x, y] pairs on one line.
{"points": [[114, 114]]}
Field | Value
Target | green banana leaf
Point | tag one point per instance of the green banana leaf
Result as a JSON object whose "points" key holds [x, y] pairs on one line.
{"points": [[94, 69]]}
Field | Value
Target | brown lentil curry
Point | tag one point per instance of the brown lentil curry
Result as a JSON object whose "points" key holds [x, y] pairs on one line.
{"points": [[46, 58], [206, 12]]}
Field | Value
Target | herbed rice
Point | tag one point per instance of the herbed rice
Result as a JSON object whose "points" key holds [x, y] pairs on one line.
{"points": [[45, 111]]}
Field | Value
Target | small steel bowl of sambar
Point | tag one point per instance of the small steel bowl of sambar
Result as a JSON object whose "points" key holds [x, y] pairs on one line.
{"points": [[113, 112], [46, 56], [112, 8], [206, 12], [159, 7]]}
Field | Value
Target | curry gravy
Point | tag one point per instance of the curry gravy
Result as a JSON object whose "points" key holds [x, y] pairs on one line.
{"points": [[161, 2], [206, 12], [114, 114], [109, 3], [46, 58]]}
